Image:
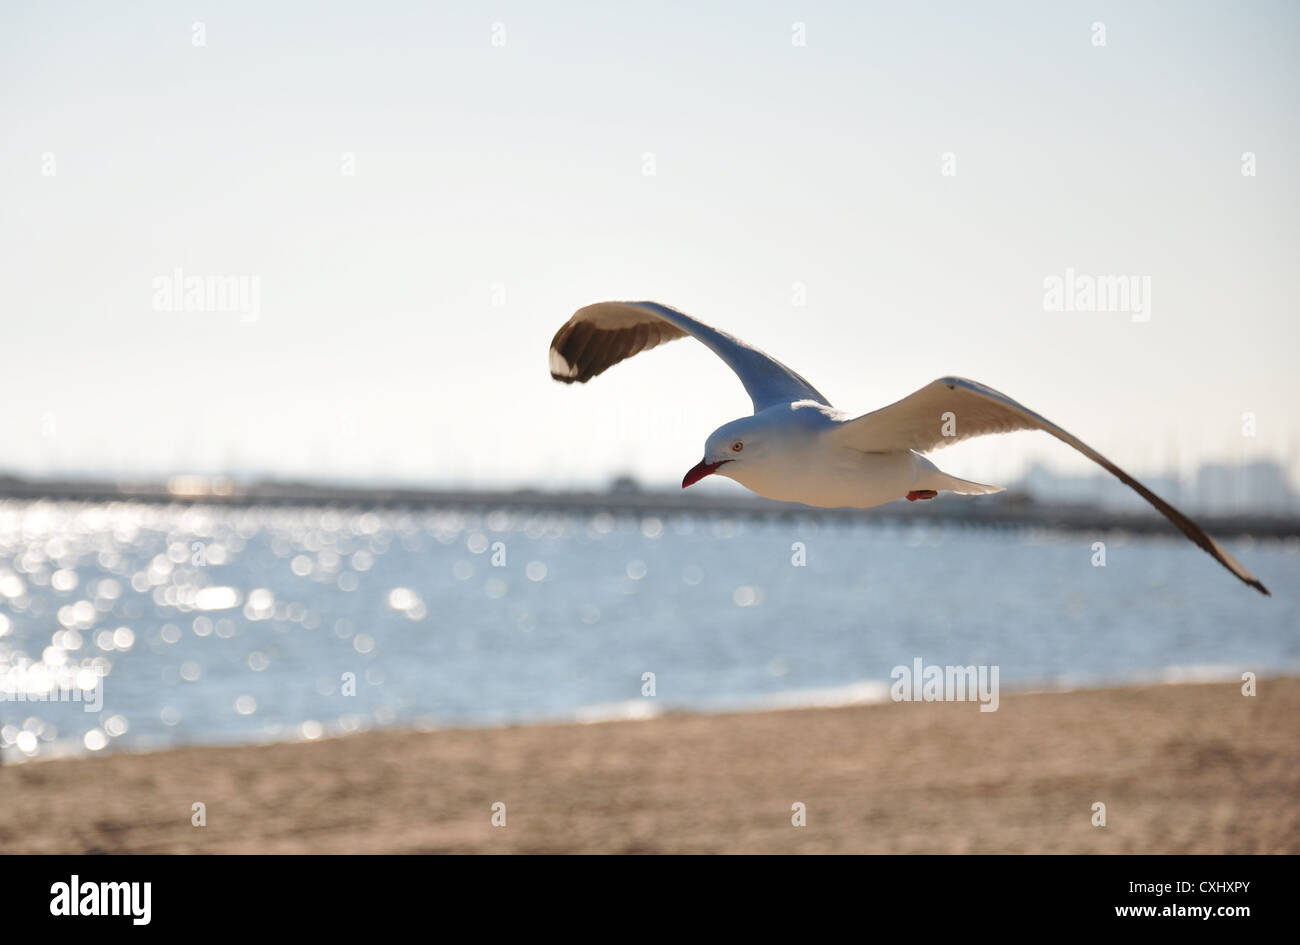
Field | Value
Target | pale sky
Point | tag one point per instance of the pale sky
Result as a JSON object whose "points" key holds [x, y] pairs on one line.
{"points": [[500, 155]]}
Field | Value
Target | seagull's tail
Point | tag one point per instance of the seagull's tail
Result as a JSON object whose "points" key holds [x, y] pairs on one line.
{"points": [[929, 476], [964, 486]]}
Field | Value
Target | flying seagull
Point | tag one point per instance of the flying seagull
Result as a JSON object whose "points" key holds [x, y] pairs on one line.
{"points": [[798, 448]]}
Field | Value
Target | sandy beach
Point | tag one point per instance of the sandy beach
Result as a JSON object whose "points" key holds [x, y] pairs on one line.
{"points": [[1181, 768]]}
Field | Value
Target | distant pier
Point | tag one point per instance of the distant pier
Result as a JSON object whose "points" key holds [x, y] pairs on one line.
{"points": [[1010, 510]]}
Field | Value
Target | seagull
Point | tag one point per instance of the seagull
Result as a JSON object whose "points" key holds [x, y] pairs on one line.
{"points": [[798, 448]]}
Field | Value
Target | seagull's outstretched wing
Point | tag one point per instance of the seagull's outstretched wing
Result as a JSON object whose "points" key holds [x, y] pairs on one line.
{"points": [[953, 409], [599, 336]]}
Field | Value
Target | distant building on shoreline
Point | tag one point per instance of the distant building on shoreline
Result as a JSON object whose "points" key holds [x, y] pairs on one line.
{"points": [[1258, 488]]}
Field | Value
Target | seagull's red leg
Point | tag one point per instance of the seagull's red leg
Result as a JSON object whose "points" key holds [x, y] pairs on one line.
{"points": [[921, 494]]}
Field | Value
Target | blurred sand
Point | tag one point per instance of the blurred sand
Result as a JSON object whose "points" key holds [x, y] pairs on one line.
{"points": [[1185, 768]]}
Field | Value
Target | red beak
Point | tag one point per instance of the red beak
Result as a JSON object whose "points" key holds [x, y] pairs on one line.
{"points": [[701, 470]]}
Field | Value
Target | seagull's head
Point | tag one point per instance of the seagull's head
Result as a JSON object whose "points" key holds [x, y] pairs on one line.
{"points": [[730, 448]]}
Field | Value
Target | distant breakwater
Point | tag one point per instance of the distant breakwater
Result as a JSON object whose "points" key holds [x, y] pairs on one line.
{"points": [[1010, 510]]}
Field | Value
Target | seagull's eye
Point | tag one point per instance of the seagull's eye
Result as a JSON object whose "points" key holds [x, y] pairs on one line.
{"points": [[737, 446]]}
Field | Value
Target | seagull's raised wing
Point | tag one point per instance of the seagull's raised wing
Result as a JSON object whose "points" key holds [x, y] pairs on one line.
{"points": [[952, 409], [599, 336]]}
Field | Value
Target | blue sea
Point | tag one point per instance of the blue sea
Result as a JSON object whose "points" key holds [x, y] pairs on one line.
{"points": [[192, 624]]}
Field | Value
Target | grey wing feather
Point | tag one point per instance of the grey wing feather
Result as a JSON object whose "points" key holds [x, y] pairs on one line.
{"points": [[952, 409], [599, 336]]}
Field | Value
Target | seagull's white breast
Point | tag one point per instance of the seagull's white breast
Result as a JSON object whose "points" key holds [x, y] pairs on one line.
{"points": [[800, 462]]}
